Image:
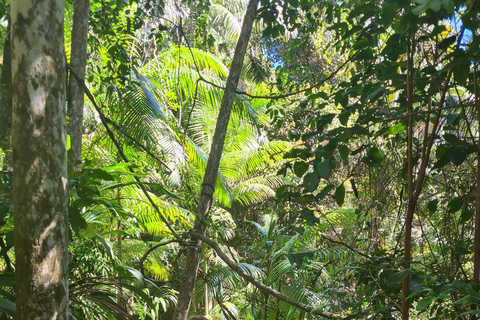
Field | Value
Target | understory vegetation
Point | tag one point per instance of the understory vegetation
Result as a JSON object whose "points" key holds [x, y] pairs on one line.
{"points": [[349, 181]]}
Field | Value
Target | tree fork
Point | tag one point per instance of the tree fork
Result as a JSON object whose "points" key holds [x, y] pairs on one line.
{"points": [[208, 185]]}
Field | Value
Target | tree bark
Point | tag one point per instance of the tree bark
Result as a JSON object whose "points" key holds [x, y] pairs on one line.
{"points": [[6, 99], [78, 62], [410, 191], [39, 153], [476, 243], [476, 237], [208, 185]]}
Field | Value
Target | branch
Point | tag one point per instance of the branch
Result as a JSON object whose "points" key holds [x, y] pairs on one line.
{"points": [[345, 245], [259, 285], [252, 96], [145, 255], [286, 95]]}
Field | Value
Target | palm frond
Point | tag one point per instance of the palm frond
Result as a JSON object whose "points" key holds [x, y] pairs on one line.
{"points": [[197, 156], [157, 268], [190, 58], [152, 224], [293, 241], [222, 222], [279, 271], [250, 161], [257, 189], [231, 309], [102, 297], [253, 70], [228, 26]]}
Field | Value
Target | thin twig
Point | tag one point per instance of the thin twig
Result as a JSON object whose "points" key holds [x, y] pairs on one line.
{"points": [[346, 245]]}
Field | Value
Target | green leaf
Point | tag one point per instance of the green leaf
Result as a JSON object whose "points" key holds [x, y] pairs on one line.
{"points": [[103, 175], [375, 94], [309, 216], [139, 292], [154, 186], [340, 195], [323, 169], [362, 43], [397, 128], [469, 312], [424, 303], [8, 307], [77, 221], [459, 154], [68, 143], [447, 42], [344, 151], [399, 276], [299, 168], [107, 247], [455, 205], [468, 299], [461, 67], [432, 206], [466, 215], [325, 191], [374, 158], [137, 274], [297, 259], [118, 232], [311, 181]]}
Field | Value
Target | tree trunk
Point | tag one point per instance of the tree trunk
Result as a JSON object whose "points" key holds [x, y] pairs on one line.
{"points": [[410, 191], [78, 62], [208, 185], [6, 100], [39, 153], [476, 242]]}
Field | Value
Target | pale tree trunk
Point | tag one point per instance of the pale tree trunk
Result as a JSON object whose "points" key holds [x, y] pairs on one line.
{"points": [[6, 100], [78, 62], [39, 154], [208, 185]]}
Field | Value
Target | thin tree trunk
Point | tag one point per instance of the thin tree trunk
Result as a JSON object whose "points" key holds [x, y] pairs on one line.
{"points": [[208, 185], [6, 100], [78, 62], [39, 153], [476, 243], [410, 192], [413, 194]]}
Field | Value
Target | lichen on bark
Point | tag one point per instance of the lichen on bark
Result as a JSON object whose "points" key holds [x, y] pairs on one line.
{"points": [[39, 155]]}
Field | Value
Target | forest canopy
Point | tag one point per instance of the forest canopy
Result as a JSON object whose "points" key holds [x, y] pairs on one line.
{"points": [[261, 159]]}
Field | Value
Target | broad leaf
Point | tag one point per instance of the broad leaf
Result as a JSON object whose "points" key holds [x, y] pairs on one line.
{"points": [[311, 181], [340, 195], [424, 303], [399, 276]]}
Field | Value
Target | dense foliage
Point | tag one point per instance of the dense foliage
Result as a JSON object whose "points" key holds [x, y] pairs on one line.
{"points": [[350, 176]]}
